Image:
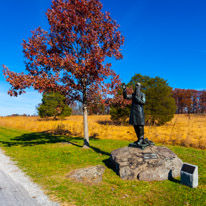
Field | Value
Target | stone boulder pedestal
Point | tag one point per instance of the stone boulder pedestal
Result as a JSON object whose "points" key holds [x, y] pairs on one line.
{"points": [[151, 164]]}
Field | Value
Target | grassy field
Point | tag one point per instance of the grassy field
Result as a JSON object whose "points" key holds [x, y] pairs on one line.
{"points": [[184, 130], [48, 159]]}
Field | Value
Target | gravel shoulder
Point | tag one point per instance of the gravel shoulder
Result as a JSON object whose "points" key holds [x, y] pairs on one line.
{"points": [[17, 189]]}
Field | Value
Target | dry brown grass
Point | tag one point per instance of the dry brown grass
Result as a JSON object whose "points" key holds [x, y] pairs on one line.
{"points": [[189, 131]]}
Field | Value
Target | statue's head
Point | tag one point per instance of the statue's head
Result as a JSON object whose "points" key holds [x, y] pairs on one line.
{"points": [[138, 85]]}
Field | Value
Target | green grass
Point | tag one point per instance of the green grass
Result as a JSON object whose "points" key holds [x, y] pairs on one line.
{"points": [[47, 159]]}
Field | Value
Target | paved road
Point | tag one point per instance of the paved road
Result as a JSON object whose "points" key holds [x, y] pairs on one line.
{"points": [[17, 189], [13, 194]]}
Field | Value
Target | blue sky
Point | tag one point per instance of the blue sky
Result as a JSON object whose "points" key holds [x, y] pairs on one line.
{"points": [[162, 38]]}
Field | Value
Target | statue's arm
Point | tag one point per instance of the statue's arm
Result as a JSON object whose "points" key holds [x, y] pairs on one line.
{"points": [[125, 95], [140, 100], [143, 98]]}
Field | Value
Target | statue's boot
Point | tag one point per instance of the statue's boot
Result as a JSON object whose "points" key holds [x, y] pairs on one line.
{"points": [[140, 140], [138, 143], [149, 142], [139, 129]]}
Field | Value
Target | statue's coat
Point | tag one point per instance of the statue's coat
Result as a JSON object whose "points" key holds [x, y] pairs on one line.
{"points": [[137, 112]]}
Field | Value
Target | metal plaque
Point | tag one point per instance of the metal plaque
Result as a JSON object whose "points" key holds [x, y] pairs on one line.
{"points": [[188, 168], [150, 156]]}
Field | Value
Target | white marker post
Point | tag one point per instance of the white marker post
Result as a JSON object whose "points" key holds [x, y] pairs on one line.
{"points": [[189, 175]]}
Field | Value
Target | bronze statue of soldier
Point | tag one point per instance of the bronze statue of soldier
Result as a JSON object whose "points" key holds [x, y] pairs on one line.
{"points": [[137, 116]]}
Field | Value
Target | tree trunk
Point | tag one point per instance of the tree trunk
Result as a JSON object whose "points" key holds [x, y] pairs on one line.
{"points": [[86, 132]]}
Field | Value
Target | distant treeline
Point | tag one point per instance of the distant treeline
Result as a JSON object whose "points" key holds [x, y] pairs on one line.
{"points": [[190, 101], [186, 100], [24, 115]]}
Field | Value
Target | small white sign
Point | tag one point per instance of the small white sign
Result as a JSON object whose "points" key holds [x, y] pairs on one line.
{"points": [[189, 175]]}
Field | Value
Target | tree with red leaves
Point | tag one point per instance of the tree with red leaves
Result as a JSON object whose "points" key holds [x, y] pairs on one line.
{"points": [[71, 57], [190, 101], [202, 101]]}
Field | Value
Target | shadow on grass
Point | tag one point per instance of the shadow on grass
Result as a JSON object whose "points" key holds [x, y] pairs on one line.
{"points": [[39, 138], [97, 150], [107, 122], [108, 163], [172, 179]]}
